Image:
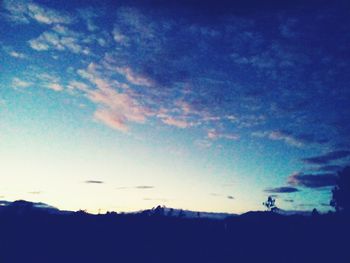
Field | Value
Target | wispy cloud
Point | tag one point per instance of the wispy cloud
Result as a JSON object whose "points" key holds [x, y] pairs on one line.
{"points": [[116, 107], [12, 52], [279, 136], [213, 134], [47, 15], [111, 119], [133, 77], [18, 83], [328, 168], [55, 87], [203, 144], [328, 157], [59, 39], [144, 187], [38, 45], [177, 122], [23, 11], [88, 15], [16, 11], [16, 54], [138, 187], [50, 81], [119, 37], [312, 180], [283, 189], [93, 182]]}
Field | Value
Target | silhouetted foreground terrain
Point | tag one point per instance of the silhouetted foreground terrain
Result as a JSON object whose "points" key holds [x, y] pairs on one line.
{"points": [[37, 235]]}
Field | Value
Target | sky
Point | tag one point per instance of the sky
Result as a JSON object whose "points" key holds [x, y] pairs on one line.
{"points": [[200, 105]]}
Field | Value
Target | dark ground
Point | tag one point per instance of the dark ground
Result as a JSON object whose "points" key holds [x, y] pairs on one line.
{"points": [[36, 236]]}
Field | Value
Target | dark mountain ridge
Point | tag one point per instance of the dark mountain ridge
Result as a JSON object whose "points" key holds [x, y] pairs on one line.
{"points": [[41, 233]]}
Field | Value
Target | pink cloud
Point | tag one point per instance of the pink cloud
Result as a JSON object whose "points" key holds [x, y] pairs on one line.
{"points": [[111, 119], [119, 104], [115, 107], [185, 107], [293, 178], [55, 87], [133, 77]]}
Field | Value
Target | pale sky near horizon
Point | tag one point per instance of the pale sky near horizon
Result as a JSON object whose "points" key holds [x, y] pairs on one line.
{"points": [[209, 107]]}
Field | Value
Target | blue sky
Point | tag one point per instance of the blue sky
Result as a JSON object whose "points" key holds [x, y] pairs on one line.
{"points": [[212, 106]]}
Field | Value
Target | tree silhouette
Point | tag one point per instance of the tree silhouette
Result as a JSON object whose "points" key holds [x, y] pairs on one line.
{"points": [[270, 204], [315, 212], [341, 192]]}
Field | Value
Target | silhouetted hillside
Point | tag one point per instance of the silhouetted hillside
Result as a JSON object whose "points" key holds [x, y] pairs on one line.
{"points": [[38, 235]]}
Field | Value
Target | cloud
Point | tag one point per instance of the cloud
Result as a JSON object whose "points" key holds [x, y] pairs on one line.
{"points": [[328, 157], [155, 58], [203, 144], [18, 83], [116, 107], [94, 182], [11, 52], [213, 134], [22, 11], [311, 138], [49, 81], [134, 78], [46, 15], [328, 168], [16, 54], [59, 39], [279, 136], [88, 15], [139, 187], [283, 189], [111, 119], [191, 66], [55, 87], [306, 205], [16, 11], [312, 180], [179, 123], [144, 187], [249, 121], [38, 45], [77, 85], [119, 37]]}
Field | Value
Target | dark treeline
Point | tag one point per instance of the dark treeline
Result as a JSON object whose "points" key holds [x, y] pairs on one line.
{"points": [[38, 236]]}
